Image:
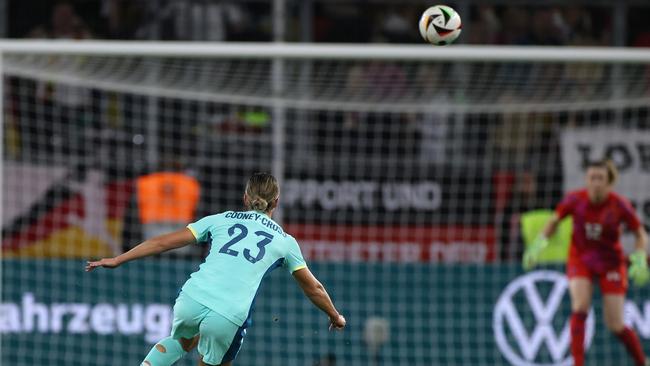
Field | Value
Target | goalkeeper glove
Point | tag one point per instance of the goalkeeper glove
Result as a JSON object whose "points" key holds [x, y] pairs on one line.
{"points": [[639, 268], [531, 254]]}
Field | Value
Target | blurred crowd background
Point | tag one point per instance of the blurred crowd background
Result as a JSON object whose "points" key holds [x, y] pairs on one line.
{"points": [[502, 22]]}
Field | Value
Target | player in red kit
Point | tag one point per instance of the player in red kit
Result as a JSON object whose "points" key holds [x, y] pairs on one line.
{"points": [[596, 254]]}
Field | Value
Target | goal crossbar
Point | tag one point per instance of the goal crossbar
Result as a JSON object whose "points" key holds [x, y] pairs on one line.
{"points": [[330, 51]]}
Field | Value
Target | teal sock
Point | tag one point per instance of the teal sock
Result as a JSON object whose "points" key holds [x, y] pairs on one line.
{"points": [[164, 353]]}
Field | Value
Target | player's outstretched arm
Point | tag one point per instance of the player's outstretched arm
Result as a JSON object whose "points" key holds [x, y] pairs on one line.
{"points": [[148, 247], [641, 239], [316, 292], [551, 226]]}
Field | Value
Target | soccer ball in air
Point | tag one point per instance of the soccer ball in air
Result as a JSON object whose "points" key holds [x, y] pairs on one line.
{"points": [[440, 25]]}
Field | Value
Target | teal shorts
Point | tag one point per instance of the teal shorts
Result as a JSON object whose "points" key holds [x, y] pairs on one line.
{"points": [[220, 339]]}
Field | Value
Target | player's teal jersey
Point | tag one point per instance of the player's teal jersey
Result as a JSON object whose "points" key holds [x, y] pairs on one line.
{"points": [[245, 247]]}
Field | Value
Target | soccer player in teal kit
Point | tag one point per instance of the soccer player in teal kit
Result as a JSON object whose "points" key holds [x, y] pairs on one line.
{"points": [[214, 305]]}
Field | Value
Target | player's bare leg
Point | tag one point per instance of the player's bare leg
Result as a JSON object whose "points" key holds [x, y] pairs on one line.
{"points": [[613, 312], [613, 305], [581, 291]]}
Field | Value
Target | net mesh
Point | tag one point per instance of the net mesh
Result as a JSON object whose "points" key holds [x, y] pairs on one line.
{"points": [[405, 183]]}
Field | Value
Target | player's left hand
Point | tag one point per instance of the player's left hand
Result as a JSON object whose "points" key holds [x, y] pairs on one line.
{"points": [[106, 263], [638, 271]]}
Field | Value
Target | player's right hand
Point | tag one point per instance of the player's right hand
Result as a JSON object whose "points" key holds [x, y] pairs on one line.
{"points": [[531, 254], [106, 263], [337, 323]]}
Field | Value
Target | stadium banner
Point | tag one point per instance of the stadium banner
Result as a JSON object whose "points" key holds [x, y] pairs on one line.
{"points": [[434, 197], [517, 318], [629, 149], [400, 244], [330, 195], [61, 213]]}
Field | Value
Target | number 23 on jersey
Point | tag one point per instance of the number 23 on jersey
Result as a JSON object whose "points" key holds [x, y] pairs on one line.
{"points": [[238, 232]]}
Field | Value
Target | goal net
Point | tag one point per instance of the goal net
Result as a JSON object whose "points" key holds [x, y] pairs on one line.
{"points": [[411, 176]]}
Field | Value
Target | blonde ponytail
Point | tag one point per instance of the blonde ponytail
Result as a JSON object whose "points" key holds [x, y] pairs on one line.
{"points": [[262, 191], [259, 204], [612, 171]]}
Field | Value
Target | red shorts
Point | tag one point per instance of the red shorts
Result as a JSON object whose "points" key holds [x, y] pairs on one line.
{"points": [[613, 281]]}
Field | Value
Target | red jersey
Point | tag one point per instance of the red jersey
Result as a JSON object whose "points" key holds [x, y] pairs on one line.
{"points": [[597, 228]]}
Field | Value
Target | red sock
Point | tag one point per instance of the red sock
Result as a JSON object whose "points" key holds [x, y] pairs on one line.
{"points": [[578, 338], [631, 342]]}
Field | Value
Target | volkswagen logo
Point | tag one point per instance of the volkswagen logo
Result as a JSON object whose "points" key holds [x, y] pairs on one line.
{"points": [[522, 344]]}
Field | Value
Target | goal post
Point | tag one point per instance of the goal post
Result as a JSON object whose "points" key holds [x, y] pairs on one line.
{"points": [[405, 171]]}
